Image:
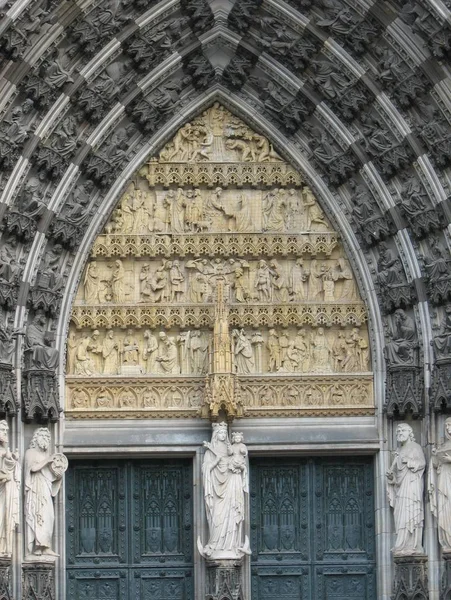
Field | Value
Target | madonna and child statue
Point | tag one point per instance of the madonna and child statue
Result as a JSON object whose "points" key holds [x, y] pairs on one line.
{"points": [[225, 478]]}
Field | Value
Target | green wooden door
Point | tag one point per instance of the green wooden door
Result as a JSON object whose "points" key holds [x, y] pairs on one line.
{"points": [[312, 529], [129, 530]]}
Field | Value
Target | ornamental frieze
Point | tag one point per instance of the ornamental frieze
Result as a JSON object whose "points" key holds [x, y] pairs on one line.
{"points": [[179, 397], [122, 245]]}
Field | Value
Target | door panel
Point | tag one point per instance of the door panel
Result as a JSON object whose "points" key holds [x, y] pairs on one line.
{"points": [[105, 584], [312, 529], [133, 515], [162, 514], [96, 514]]}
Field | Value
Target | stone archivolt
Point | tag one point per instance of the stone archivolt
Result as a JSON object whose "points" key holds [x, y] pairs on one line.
{"points": [[142, 333]]}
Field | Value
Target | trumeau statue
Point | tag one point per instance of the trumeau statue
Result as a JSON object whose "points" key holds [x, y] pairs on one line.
{"points": [[10, 477], [439, 487], [218, 277], [225, 478], [43, 473], [405, 492]]}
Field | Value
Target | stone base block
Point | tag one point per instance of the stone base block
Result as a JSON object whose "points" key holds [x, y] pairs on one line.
{"points": [[5, 575], [224, 580], [38, 581], [411, 581]]}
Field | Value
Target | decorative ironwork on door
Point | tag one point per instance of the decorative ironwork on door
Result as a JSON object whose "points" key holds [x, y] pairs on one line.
{"points": [[129, 531], [312, 529]]}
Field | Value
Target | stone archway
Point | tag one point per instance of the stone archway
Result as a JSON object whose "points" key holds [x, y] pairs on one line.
{"points": [[361, 99]]}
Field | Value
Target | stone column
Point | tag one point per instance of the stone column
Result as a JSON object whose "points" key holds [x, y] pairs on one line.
{"points": [[411, 581], [38, 580]]}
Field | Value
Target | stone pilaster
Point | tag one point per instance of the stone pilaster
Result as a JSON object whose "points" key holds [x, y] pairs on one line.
{"points": [[5, 575], [411, 582], [224, 580], [38, 581]]}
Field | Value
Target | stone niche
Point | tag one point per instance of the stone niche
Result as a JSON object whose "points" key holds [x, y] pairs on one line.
{"points": [[218, 208]]}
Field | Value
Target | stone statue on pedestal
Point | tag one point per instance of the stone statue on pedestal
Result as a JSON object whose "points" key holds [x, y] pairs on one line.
{"points": [[9, 492], [439, 487], [405, 493], [43, 476], [225, 479]]}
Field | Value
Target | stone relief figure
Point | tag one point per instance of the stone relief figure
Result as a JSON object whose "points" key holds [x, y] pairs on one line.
{"points": [[297, 281], [72, 345], [117, 283], [405, 492], [167, 358], [389, 268], [442, 341], [357, 352], [38, 342], [85, 360], [342, 273], [240, 285], [294, 213], [145, 279], [278, 282], [317, 276], [321, 353], [291, 362], [225, 481], [274, 355], [150, 352], [301, 344], [263, 285], [400, 350], [437, 262], [273, 210], [242, 351], [439, 488], [197, 347], [110, 354], [130, 350], [10, 478], [257, 342], [43, 473], [6, 342], [314, 215], [176, 278]]}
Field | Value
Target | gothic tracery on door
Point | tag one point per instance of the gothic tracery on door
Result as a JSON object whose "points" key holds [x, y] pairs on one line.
{"points": [[129, 531], [312, 529]]}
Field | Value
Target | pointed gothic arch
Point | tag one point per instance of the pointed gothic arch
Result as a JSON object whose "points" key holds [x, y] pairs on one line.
{"points": [[354, 96]]}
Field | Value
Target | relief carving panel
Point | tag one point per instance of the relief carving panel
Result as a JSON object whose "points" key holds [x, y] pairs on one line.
{"points": [[218, 246]]}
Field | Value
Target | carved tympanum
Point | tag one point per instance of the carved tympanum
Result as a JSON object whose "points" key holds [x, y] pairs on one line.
{"points": [[217, 216]]}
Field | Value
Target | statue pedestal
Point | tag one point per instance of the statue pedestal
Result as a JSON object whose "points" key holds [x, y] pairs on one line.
{"points": [[411, 582], [38, 580], [224, 580], [5, 564], [446, 579]]}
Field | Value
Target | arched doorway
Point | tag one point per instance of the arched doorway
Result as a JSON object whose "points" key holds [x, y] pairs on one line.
{"points": [[217, 227]]}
